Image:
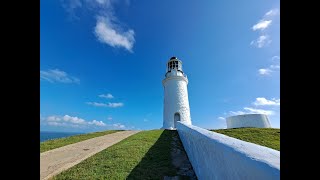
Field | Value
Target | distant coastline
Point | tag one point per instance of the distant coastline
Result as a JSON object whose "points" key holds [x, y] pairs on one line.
{"points": [[48, 135]]}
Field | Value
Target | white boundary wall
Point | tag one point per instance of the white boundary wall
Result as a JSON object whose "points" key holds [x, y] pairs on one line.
{"points": [[217, 156]]}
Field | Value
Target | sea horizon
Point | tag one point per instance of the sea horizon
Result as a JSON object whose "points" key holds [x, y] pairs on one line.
{"points": [[49, 135]]}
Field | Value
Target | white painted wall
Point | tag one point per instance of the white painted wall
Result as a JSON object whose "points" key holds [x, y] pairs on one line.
{"points": [[216, 156], [248, 120], [175, 99]]}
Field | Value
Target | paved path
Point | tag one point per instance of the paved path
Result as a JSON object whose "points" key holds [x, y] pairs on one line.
{"points": [[55, 161]]}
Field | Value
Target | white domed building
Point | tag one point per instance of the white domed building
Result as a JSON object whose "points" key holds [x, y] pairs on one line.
{"points": [[248, 120]]}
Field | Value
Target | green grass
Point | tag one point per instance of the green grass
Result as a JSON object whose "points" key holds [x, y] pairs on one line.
{"points": [[269, 137], [56, 143], [145, 155]]}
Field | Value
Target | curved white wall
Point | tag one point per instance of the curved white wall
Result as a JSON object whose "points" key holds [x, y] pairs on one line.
{"points": [[248, 120], [217, 156], [175, 99]]}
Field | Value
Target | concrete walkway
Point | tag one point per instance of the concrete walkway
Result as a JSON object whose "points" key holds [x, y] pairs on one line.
{"points": [[57, 160]]}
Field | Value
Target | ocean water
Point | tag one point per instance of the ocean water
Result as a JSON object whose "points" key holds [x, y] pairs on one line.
{"points": [[44, 135]]}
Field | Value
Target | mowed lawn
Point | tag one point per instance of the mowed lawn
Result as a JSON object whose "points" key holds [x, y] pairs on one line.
{"points": [[145, 155], [269, 137], [56, 143]]}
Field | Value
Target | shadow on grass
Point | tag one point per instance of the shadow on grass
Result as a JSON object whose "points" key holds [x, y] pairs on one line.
{"points": [[157, 161]]}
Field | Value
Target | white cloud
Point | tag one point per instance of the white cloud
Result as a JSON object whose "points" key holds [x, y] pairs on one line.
{"points": [[221, 118], [106, 32], [258, 111], [272, 67], [56, 124], [107, 96], [56, 75], [261, 25], [97, 104], [262, 41], [74, 120], [265, 23], [248, 110], [112, 105], [53, 119], [108, 28], [109, 118], [233, 113], [71, 6], [70, 121], [275, 58], [118, 125], [97, 123], [264, 71], [272, 12], [275, 66], [261, 101], [104, 2], [145, 120]]}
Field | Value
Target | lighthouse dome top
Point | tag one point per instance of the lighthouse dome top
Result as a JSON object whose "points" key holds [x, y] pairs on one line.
{"points": [[174, 64], [173, 58]]}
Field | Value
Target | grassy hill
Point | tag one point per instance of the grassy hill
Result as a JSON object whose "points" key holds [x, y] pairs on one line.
{"points": [[145, 155], [269, 137]]}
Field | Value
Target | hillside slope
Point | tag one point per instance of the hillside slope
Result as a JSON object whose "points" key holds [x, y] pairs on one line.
{"points": [[269, 137]]}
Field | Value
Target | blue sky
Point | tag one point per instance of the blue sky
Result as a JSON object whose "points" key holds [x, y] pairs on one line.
{"points": [[102, 61]]}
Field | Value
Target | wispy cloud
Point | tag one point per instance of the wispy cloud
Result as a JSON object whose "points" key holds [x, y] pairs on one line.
{"points": [[70, 6], [221, 118], [74, 120], [97, 123], [261, 25], [109, 118], [56, 75], [104, 2], [276, 59], [107, 96], [145, 120], [107, 33], [271, 68], [233, 113], [275, 66], [119, 125], [262, 41], [264, 71], [258, 111], [70, 121], [264, 38], [271, 13], [108, 29], [248, 110], [109, 104], [261, 101]]}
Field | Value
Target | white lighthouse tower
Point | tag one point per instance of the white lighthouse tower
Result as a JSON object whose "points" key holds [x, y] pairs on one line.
{"points": [[176, 102]]}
